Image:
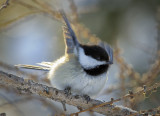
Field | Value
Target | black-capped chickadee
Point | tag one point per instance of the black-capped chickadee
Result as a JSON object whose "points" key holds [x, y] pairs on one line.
{"points": [[83, 68]]}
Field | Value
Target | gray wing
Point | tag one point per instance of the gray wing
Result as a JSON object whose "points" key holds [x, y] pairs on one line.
{"points": [[45, 66], [69, 35], [109, 50]]}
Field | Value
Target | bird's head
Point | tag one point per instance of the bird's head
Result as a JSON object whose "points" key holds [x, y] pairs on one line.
{"points": [[95, 59]]}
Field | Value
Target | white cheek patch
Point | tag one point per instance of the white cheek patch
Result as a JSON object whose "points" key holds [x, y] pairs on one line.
{"points": [[87, 61]]}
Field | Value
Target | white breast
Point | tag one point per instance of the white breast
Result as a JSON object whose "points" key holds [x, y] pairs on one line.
{"points": [[68, 72]]}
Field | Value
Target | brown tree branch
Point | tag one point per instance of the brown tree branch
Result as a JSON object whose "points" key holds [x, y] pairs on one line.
{"points": [[30, 87]]}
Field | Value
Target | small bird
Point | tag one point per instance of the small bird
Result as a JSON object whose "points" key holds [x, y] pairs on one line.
{"points": [[83, 68]]}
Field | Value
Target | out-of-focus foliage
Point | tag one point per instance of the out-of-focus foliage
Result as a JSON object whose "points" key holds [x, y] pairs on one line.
{"points": [[30, 32]]}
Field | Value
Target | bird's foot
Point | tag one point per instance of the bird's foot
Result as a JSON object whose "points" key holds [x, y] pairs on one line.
{"points": [[67, 91], [87, 98]]}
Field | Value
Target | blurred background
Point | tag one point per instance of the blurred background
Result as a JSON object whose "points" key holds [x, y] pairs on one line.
{"points": [[31, 32]]}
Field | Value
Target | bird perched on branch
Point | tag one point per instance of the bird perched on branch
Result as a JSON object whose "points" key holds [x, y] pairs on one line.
{"points": [[83, 68]]}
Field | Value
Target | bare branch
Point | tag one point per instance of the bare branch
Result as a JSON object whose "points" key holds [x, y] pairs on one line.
{"points": [[130, 95], [4, 5], [30, 87]]}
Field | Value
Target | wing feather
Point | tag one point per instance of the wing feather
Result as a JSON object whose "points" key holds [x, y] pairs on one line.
{"points": [[69, 35]]}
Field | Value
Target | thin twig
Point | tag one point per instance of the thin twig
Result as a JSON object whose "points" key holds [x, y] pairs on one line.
{"points": [[74, 10], [143, 91], [4, 5]]}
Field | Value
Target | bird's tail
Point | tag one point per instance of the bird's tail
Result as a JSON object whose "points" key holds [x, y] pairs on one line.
{"points": [[69, 35], [45, 66]]}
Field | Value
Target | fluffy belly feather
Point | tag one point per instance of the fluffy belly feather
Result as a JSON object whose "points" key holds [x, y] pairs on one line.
{"points": [[68, 72]]}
